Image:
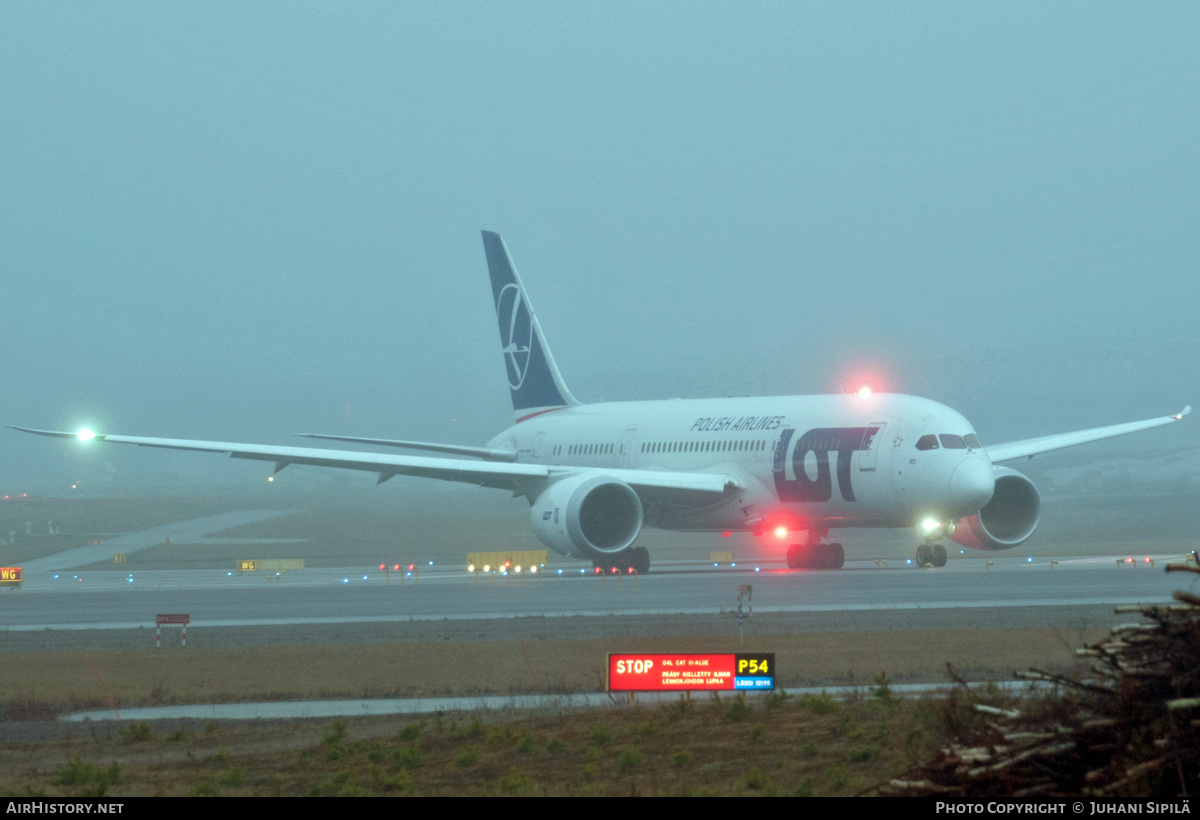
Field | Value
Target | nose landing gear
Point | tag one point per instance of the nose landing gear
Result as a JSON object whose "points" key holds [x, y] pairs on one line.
{"points": [[931, 555]]}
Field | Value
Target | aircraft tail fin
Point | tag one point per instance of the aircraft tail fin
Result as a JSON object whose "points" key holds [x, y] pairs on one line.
{"points": [[533, 378]]}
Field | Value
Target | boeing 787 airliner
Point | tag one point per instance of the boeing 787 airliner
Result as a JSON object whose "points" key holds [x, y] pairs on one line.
{"points": [[596, 474]]}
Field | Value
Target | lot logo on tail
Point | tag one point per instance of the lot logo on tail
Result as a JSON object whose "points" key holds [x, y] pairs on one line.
{"points": [[516, 333]]}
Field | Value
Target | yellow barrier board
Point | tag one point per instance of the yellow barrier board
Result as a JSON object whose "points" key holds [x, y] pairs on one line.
{"points": [[517, 558], [270, 564]]}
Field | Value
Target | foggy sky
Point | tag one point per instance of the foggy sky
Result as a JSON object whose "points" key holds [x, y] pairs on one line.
{"points": [[241, 221]]}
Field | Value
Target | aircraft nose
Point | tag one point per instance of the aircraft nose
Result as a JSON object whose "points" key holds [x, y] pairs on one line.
{"points": [[972, 483]]}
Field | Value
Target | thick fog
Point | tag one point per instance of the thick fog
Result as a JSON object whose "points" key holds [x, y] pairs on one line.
{"points": [[241, 221]]}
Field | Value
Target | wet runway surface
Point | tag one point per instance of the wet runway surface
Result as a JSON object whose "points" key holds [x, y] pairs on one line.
{"points": [[110, 600]]}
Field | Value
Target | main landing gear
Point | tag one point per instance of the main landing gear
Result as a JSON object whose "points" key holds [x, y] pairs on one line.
{"points": [[814, 554], [634, 558]]}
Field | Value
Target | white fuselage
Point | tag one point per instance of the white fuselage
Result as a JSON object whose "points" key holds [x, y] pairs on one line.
{"points": [[801, 461]]}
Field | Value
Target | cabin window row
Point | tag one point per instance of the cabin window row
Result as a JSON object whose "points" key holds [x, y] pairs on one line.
{"points": [[589, 449], [731, 445]]}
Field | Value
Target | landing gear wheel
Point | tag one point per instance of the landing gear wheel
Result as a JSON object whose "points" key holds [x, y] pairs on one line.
{"points": [[796, 555], [816, 556], [924, 555], [835, 556], [639, 559], [939, 555]]}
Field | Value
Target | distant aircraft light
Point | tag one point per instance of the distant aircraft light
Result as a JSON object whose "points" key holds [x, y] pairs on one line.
{"points": [[85, 434], [270, 479]]}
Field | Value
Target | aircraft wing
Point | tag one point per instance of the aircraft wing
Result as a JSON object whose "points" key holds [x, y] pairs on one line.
{"points": [[507, 476], [1030, 447]]}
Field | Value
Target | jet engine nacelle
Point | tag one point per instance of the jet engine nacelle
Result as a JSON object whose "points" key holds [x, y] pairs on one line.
{"points": [[587, 516], [1007, 520]]}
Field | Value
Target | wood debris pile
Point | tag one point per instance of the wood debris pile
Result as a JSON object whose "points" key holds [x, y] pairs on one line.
{"points": [[1131, 730]]}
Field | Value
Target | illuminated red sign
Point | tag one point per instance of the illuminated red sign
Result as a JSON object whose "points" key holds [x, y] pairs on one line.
{"points": [[650, 672]]}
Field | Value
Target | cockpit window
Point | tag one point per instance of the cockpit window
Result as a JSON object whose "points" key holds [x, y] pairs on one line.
{"points": [[928, 442], [953, 442], [972, 441]]}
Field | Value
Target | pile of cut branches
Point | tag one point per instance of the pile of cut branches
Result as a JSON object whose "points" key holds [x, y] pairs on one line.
{"points": [[1132, 728]]}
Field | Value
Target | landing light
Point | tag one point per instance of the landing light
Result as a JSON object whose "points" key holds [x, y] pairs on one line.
{"points": [[85, 434], [864, 392], [929, 525]]}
